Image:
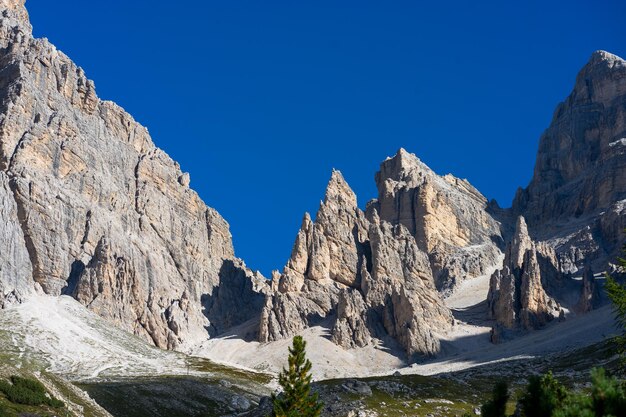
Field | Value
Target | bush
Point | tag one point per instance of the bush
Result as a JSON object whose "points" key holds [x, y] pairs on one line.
{"points": [[28, 391]]}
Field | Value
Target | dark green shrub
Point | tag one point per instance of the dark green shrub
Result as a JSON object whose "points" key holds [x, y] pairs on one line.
{"points": [[617, 294], [29, 384], [28, 391]]}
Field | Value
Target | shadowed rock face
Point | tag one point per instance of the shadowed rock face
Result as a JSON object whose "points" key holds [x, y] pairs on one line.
{"points": [[575, 204], [576, 199], [447, 216], [363, 277], [91, 207], [589, 293]]}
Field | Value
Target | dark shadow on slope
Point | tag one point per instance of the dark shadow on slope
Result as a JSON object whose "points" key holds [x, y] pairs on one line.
{"points": [[476, 315], [233, 302], [554, 337], [172, 396]]}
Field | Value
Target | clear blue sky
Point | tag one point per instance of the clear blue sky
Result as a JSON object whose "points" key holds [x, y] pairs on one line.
{"points": [[260, 100]]}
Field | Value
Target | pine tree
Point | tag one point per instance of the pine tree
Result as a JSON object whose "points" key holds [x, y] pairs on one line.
{"points": [[496, 407], [617, 295], [296, 399], [607, 399], [543, 396]]}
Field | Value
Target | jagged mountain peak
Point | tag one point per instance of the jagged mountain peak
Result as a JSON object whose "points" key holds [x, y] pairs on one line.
{"points": [[69, 156], [404, 167], [602, 80], [17, 8], [446, 215], [520, 243], [604, 57], [339, 192]]}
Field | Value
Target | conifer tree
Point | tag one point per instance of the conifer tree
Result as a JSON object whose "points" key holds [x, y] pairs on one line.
{"points": [[607, 399], [296, 399], [496, 407], [617, 295], [543, 395]]}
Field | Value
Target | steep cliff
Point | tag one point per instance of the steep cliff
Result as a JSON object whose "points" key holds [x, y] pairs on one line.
{"points": [[576, 199], [575, 205], [92, 208]]}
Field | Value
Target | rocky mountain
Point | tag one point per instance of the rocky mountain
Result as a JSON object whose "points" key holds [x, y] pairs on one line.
{"points": [[364, 277], [91, 208], [575, 205], [576, 199], [374, 274]]}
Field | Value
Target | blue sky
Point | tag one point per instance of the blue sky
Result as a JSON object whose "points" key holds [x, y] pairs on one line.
{"points": [[260, 100]]}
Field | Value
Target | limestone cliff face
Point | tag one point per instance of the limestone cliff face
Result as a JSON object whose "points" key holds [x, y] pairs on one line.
{"points": [[359, 275], [447, 216], [517, 298], [575, 205], [576, 199], [15, 268], [91, 207]]}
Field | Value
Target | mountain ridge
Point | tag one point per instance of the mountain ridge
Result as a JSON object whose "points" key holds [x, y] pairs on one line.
{"points": [[94, 210]]}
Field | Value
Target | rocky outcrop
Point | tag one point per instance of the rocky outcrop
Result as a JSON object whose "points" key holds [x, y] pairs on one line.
{"points": [[350, 329], [517, 298], [447, 216], [576, 199], [361, 276], [93, 208], [400, 289], [589, 293]]}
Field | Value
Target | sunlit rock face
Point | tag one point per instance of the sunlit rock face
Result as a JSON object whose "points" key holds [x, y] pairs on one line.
{"points": [[361, 276], [91, 208], [447, 216]]}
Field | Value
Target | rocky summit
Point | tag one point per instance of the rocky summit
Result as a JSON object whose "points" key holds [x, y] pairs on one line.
{"points": [[92, 209], [447, 216]]}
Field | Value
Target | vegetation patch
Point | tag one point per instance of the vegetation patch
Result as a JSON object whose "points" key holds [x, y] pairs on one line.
{"points": [[28, 391]]}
